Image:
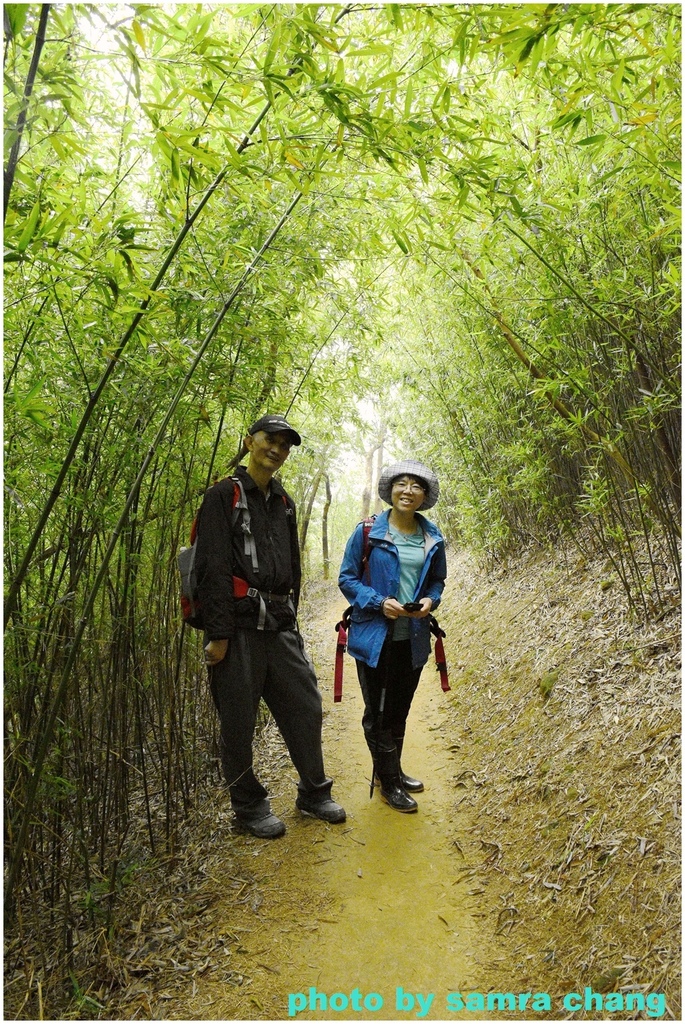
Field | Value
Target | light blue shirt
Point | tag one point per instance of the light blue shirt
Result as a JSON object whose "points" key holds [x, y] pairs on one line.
{"points": [[410, 548]]}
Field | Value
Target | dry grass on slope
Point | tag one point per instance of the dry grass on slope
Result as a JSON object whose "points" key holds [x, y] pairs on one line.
{"points": [[566, 714]]}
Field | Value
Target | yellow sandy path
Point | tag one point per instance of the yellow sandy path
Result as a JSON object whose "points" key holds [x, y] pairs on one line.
{"points": [[401, 917]]}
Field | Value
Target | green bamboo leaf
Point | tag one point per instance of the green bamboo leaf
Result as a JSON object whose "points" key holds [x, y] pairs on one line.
{"points": [[525, 52], [617, 79], [408, 97], [58, 147], [202, 156], [34, 407], [400, 241], [591, 140], [55, 227], [139, 34], [130, 265], [370, 51], [175, 165], [572, 116], [16, 17], [164, 144], [383, 81], [29, 228], [396, 13], [517, 206], [40, 415], [536, 54], [273, 49]]}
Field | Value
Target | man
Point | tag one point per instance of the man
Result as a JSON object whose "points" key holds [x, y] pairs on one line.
{"points": [[248, 586]]}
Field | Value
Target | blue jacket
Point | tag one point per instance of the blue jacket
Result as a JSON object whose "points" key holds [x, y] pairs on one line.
{"points": [[368, 625]]}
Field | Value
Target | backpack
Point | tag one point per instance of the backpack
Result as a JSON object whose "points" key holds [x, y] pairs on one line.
{"points": [[190, 604]]}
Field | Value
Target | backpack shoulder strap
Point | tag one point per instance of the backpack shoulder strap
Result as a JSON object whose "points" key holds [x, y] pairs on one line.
{"points": [[240, 506], [367, 525], [239, 501]]}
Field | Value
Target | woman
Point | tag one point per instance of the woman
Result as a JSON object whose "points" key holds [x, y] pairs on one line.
{"points": [[403, 565]]}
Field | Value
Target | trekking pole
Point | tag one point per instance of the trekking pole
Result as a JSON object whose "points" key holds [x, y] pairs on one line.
{"points": [[381, 706]]}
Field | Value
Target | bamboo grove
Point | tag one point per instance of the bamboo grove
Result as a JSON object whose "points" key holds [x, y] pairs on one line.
{"points": [[464, 217]]}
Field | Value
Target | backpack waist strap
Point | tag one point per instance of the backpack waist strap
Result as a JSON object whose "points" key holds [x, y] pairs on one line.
{"points": [[241, 588]]}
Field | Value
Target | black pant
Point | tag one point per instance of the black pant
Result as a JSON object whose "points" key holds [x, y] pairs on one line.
{"points": [[395, 672], [272, 666]]}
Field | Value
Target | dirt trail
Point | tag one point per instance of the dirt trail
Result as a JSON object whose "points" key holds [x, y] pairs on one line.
{"points": [[401, 918], [372, 905]]}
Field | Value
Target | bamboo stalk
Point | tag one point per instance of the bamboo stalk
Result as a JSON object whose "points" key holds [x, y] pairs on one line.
{"points": [[13, 158]]}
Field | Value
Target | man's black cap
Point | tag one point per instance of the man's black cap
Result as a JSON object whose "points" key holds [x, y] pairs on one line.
{"points": [[274, 425]]}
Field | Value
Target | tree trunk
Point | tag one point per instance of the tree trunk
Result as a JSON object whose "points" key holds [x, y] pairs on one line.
{"points": [[378, 503], [324, 529], [304, 522], [368, 482]]}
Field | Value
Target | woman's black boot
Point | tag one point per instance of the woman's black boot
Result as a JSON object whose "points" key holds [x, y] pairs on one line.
{"points": [[411, 785], [392, 791], [397, 797]]}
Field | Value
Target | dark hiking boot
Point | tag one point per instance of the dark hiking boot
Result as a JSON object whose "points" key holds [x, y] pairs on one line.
{"points": [[266, 827], [411, 785], [395, 796], [326, 810], [387, 765]]}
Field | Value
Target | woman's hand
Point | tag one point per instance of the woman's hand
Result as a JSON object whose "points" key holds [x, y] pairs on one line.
{"points": [[426, 607], [215, 651], [392, 609]]}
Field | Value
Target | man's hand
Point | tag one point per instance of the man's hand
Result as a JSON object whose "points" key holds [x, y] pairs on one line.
{"points": [[215, 651]]}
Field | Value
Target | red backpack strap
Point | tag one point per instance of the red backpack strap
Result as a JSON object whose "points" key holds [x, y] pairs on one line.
{"points": [[343, 626], [440, 660], [441, 664], [339, 652], [341, 629]]}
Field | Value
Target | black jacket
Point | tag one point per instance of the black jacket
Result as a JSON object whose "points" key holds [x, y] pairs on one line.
{"points": [[220, 555]]}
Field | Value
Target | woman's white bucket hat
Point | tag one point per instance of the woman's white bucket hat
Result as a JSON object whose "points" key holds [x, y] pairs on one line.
{"points": [[409, 467]]}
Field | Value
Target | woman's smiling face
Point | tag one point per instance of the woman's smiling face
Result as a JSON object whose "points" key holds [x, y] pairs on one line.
{"points": [[408, 494]]}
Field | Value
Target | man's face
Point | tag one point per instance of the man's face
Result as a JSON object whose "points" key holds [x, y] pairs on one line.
{"points": [[268, 451]]}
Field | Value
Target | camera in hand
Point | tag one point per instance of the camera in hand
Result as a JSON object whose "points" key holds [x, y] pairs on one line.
{"points": [[412, 606]]}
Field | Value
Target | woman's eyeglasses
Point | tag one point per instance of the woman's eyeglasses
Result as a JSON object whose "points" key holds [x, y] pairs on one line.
{"points": [[406, 485]]}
